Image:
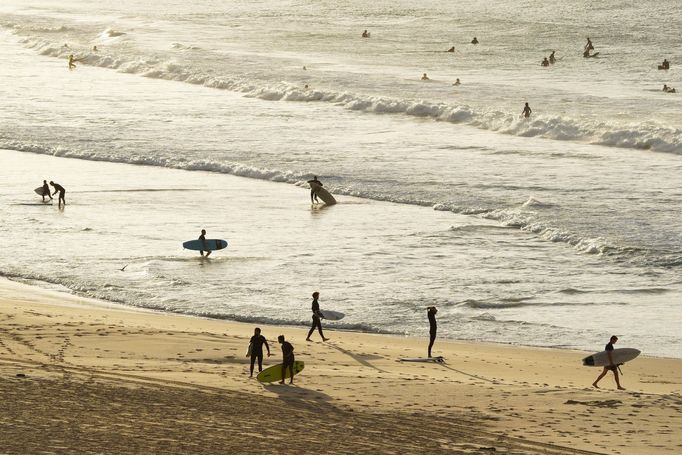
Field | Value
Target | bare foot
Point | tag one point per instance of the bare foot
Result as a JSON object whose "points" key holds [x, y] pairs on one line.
{"points": [[595, 385], [281, 382], [621, 388], [325, 339], [308, 339]]}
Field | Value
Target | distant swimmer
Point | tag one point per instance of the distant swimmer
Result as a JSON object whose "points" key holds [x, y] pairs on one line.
{"points": [[313, 193], [545, 62], [287, 359], [94, 49], [256, 350], [611, 366], [526, 111], [304, 68], [425, 77], [552, 59], [46, 190], [305, 86], [665, 65], [202, 237], [431, 314], [474, 41], [457, 82], [317, 318], [365, 34], [452, 49], [668, 89], [58, 189]]}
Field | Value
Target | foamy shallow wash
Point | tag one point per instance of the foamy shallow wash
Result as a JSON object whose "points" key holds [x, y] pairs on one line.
{"points": [[559, 230]]}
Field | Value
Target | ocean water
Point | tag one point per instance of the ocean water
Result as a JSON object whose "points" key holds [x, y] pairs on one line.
{"points": [[558, 230]]}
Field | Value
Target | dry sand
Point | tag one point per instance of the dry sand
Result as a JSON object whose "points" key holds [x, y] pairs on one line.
{"points": [[100, 378]]}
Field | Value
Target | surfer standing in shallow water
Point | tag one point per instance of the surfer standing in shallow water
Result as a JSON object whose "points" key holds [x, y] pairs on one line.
{"points": [[62, 192], [313, 193], [46, 190], [433, 328], [202, 237], [526, 111], [317, 318], [611, 366]]}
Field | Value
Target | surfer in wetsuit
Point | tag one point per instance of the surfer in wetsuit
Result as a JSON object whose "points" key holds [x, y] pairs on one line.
{"points": [[313, 193], [588, 45], [58, 189], [72, 61], [46, 190], [474, 41], [526, 111], [202, 237], [431, 313], [552, 59], [425, 77], [365, 34], [611, 366], [317, 318], [545, 62], [457, 82], [256, 350], [288, 359], [452, 49]]}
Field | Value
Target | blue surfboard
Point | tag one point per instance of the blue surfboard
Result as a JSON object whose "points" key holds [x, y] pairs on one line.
{"points": [[206, 245]]}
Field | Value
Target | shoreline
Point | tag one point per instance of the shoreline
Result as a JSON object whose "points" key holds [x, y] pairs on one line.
{"points": [[124, 307], [496, 395]]}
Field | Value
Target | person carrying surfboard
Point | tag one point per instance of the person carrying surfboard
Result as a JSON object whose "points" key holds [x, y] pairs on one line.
{"points": [[433, 328], [313, 193], [256, 350], [317, 318], [46, 190], [202, 237], [61, 190], [611, 366], [287, 360]]}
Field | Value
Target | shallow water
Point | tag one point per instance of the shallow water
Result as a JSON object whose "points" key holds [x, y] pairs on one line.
{"points": [[542, 229]]}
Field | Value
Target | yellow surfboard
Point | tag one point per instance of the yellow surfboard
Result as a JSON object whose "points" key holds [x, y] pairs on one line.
{"points": [[274, 373]]}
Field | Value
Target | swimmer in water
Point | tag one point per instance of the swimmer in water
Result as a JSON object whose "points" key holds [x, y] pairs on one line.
{"points": [[545, 62], [457, 82], [365, 34], [526, 111], [94, 49], [474, 41], [425, 77], [552, 60], [452, 49]]}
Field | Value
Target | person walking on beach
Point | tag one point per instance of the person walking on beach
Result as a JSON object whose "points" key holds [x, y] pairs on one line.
{"points": [[317, 318], [526, 111], [312, 183], [46, 190], [433, 328], [287, 360], [611, 366], [256, 350], [202, 237], [58, 189]]}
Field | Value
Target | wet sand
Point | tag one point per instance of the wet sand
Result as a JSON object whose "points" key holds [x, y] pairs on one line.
{"points": [[82, 376]]}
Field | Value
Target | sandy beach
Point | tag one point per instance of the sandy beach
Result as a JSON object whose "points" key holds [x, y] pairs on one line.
{"points": [[82, 376]]}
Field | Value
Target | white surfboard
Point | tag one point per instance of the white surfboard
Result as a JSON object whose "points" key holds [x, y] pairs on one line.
{"points": [[323, 194], [601, 359], [332, 315], [438, 359]]}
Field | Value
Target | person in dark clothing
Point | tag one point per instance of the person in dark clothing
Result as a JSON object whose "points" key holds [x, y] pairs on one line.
{"points": [[202, 237], [431, 313], [552, 59], [317, 316], [611, 366], [46, 190], [313, 193], [526, 111], [474, 41], [288, 359], [545, 62], [256, 350], [61, 190]]}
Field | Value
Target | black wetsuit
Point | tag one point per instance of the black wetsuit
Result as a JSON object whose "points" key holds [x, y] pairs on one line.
{"points": [[432, 329], [202, 237], [313, 194], [607, 348], [257, 342], [288, 359], [46, 191], [62, 192], [317, 323]]}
